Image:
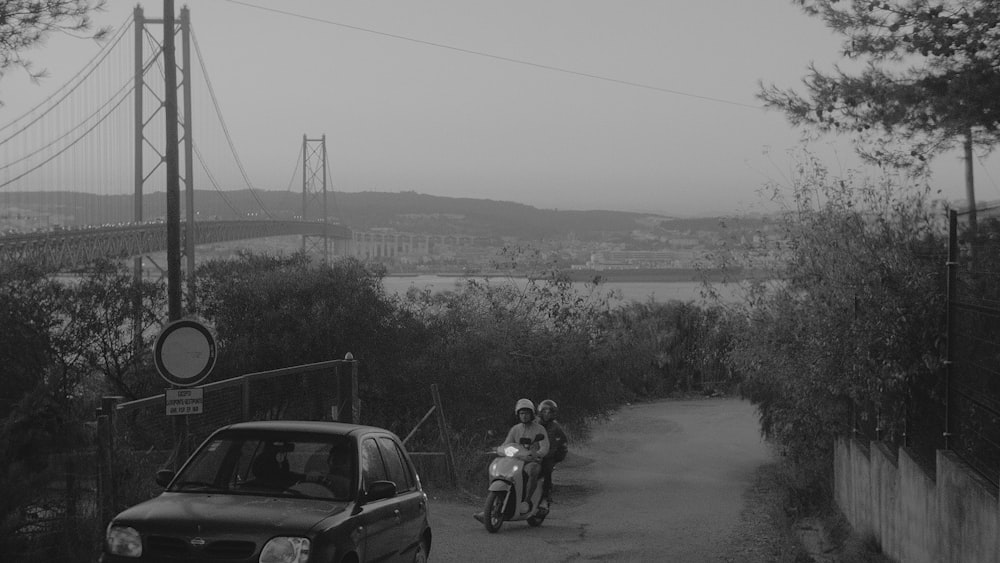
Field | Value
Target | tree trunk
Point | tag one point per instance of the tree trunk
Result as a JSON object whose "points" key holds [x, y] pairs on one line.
{"points": [[970, 190]]}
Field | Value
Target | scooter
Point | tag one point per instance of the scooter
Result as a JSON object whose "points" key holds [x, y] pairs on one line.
{"points": [[508, 485]]}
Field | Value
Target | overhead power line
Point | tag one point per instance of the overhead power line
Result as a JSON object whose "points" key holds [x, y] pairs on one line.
{"points": [[497, 57]]}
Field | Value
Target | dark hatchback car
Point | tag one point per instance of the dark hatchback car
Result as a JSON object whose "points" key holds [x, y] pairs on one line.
{"points": [[282, 492]]}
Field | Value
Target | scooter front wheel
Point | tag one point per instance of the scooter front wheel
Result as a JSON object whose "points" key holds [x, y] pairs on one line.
{"points": [[493, 511]]}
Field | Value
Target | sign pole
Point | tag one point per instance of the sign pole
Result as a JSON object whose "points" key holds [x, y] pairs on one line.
{"points": [[184, 354]]}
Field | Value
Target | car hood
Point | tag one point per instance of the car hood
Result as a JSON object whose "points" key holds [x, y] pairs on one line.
{"points": [[209, 514]]}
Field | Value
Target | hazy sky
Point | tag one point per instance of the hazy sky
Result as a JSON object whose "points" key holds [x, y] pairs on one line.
{"points": [[462, 98]]}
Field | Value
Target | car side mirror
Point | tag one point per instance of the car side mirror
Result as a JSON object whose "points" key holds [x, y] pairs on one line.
{"points": [[164, 477], [380, 490]]}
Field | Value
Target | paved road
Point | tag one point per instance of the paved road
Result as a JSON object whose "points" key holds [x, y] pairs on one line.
{"points": [[658, 482]]}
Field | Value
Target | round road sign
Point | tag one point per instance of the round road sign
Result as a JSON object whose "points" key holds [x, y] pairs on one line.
{"points": [[184, 353]]}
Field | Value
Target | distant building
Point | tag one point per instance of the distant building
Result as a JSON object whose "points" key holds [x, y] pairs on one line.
{"points": [[390, 244], [635, 259], [683, 242]]}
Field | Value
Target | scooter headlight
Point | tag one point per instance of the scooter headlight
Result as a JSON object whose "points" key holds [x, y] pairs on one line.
{"points": [[510, 451]]}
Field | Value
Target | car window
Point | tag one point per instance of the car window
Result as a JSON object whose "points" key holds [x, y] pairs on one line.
{"points": [[269, 463], [371, 462], [208, 468], [246, 455], [395, 464]]}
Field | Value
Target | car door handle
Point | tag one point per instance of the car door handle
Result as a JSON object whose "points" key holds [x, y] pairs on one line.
{"points": [[398, 519]]}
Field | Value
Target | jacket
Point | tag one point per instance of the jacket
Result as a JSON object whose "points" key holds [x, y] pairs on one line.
{"points": [[532, 436]]}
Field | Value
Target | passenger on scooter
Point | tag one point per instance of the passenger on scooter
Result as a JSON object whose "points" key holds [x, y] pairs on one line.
{"points": [[548, 410], [533, 436]]}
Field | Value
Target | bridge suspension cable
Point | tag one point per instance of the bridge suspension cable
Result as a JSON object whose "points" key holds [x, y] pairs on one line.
{"points": [[120, 95], [64, 149], [67, 88], [295, 169], [49, 178], [217, 108], [211, 178], [222, 122]]}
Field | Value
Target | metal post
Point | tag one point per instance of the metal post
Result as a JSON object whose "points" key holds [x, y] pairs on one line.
{"points": [[72, 490], [347, 408], [355, 402], [105, 457], [173, 166], [104, 479], [950, 324], [245, 403], [449, 457], [189, 231]]}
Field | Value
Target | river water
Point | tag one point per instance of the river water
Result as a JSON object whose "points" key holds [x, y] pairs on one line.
{"points": [[660, 292]]}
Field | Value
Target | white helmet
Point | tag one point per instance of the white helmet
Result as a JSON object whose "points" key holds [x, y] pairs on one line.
{"points": [[524, 404]]}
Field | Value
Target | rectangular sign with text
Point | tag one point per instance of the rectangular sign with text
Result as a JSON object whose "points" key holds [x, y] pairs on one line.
{"points": [[184, 401]]}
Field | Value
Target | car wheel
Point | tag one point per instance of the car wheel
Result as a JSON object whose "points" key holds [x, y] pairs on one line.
{"points": [[493, 512], [421, 555]]}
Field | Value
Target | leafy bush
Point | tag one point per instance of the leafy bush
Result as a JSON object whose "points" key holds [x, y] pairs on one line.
{"points": [[858, 316]]}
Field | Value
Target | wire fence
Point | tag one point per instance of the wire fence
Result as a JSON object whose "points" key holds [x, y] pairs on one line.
{"points": [[973, 377], [137, 438], [959, 408]]}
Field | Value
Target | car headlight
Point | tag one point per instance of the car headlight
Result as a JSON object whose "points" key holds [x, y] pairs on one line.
{"points": [[284, 549], [124, 541]]}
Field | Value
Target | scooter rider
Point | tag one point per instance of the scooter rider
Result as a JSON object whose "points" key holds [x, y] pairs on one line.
{"points": [[533, 436], [548, 410]]}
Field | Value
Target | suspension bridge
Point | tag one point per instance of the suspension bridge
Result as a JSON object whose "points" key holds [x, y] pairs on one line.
{"points": [[85, 174]]}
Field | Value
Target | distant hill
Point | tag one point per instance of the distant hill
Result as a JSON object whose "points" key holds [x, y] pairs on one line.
{"points": [[414, 212], [404, 211]]}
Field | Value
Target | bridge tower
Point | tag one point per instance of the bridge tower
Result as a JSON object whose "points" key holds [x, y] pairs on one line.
{"points": [[173, 146], [314, 194]]}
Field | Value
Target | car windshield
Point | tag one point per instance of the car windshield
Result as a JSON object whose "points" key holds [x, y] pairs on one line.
{"points": [[272, 463]]}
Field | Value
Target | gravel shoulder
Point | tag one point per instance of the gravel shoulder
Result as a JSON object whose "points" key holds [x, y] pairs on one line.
{"points": [[764, 532]]}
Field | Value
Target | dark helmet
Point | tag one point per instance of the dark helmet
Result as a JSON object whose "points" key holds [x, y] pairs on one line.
{"points": [[550, 404]]}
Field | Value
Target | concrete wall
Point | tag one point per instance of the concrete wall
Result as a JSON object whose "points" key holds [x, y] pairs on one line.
{"points": [[887, 495]]}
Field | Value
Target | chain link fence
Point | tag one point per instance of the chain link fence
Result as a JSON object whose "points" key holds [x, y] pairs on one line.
{"points": [[973, 362], [959, 409], [136, 438]]}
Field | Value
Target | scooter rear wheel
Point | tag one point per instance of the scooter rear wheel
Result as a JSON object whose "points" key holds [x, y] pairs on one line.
{"points": [[493, 511]]}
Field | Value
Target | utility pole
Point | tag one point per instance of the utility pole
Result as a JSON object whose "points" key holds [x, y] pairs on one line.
{"points": [[137, 174], [174, 307], [189, 231], [170, 156], [970, 190], [173, 166]]}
